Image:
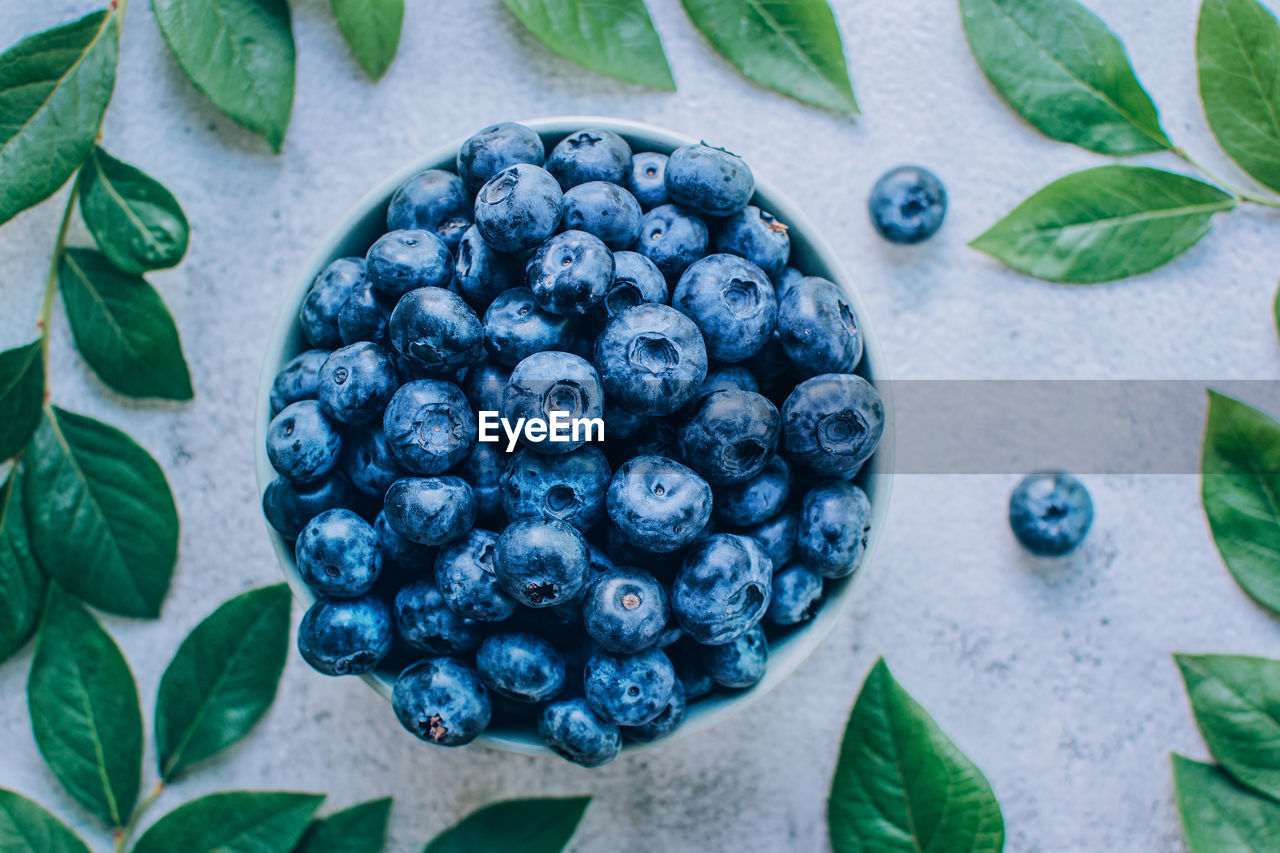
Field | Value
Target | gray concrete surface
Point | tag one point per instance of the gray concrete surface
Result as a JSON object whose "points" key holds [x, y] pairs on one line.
{"points": [[1055, 678]]}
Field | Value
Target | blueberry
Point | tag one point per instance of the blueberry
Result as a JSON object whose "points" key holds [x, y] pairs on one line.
{"points": [[605, 210], [731, 301], [570, 273], [518, 208], [1050, 513], [636, 280], [435, 201], [365, 315], [835, 520], [691, 672], [402, 261], [777, 535], [495, 148], [625, 610], [629, 689], [590, 155], [655, 437], [483, 469], [480, 272], [738, 663], [436, 331], [289, 506], [541, 562], [712, 181], [756, 235], [667, 721], [722, 589], [569, 487], [673, 238], [647, 179], [772, 370], [521, 666], [818, 329], [465, 577], [368, 462], [559, 384], [297, 380], [908, 204], [442, 701], [345, 636], [338, 555], [651, 359], [730, 436], [783, 281], [356, 381], [484, 385], [430, 510], [623, 553], [400, 552], [577, 734], [658, 504], [318, 316], [621, 423], [832, 423], [796, 594], [429, 426], [515, 327], [426, 623], [303, 444], [727, 377], [756, 499]]}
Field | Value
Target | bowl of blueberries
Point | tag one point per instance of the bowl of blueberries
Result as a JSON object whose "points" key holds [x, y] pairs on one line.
{"points": [[573, 439]]}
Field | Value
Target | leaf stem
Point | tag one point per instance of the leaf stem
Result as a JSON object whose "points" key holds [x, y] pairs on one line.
{"points": [[51, 280], [1240, 194], [122, 835]]}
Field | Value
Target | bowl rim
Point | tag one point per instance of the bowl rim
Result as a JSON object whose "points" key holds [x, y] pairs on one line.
{"points": [[800, 644]]}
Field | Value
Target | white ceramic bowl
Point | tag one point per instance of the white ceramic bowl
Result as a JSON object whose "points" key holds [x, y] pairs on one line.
{"points": [[809, 252]]}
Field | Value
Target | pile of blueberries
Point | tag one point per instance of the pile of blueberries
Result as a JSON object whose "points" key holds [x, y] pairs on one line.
{"points": [[588, 589]]}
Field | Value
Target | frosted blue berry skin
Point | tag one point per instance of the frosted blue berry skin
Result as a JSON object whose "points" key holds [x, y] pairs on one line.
{"points": [[402, 261], [426, 623], [832, 423], [297, 379], [731, 301], [818, 329], [356, 381], [430, 510], [576, 733], [497, 147], [722, 589], [398, 552], [483, 468], [480, 272], [365, 316], [777, 535], [289, 506], [541, 562], [518, 208], [636, 280], [754, 500], [1050, 513], [345, 636], [709, 180], [436, 331], [592, 154], [739, 663], [835, 520], [625, 610], [303, 443], [484, 384], [368, 462], [516, 327], [651, 359], [442, 701], [647, 179], [629, 689], [569, 487], [434, 200], [548, 382], [318, 315], [796, 595], [606, 210], [756, 235], [464, 574], [658, 504], [521, 666], [673, 238], [667, 721], [570, 273], [338, 555], [730, 436], [429, 426], [908, 204]]}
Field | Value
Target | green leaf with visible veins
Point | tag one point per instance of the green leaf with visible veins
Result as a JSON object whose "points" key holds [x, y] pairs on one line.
{"points": [[359, 829], [233, 822], [21, 396], [26, 826], [372, 29], [54, 89], [136, 222], [1221, 817], [542, 825], [22, 581]]}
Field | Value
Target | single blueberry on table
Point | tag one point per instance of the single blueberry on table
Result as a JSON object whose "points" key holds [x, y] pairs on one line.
{"points": [[554, 382], [569, 487], [576, 733], [303, 444], [521, 666], [756, 499], [722, 589], [497, 147], [832, 423], [318, 315], [606, 210], [435, 201], [730, 436], [484, 385], [516, 326], [636, 280], [1050, 513], [667, 721], [818, 328], [629, 689], [345, 636], [426, 623], [732, 302], [430, 510], [835, 520], [399, 552], [338, 554], [402, 261], [480, 272], [673, 238], [436, 331], [777, 536], [796, 594], [518, 208], [647, 179], [367, 461], [365, 316], [297, 380], [442, 701], [541, 562], [651, 359], [756, 235], [739, 663], [483, 468], [465, 577], [570, 273], [908, 204], [429, 426], [590, 155], [625, 610], [658, 504], [709, 180], [356, 381]]}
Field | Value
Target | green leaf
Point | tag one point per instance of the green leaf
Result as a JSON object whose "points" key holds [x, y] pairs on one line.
{"points": [[542, 825], [1238, 52], [24, 826], [359, 829], [240, 54], [790, 46], [22, 582], [136, 222], [21, 395], [372, 29], [223, 678], [1236, 700], [233, 822], [1105, 223], [84, 711], [54, 90], [1221, 817], [122, 328], [102, 517], [615, 39], [1240, 489], [1059, 65], [901, 784]]}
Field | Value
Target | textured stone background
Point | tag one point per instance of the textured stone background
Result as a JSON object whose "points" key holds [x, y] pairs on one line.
{"points": [[1056, 678]]}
